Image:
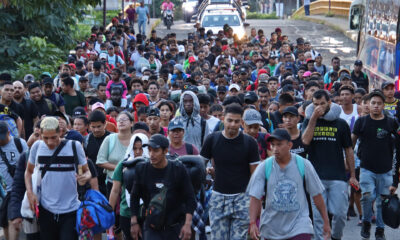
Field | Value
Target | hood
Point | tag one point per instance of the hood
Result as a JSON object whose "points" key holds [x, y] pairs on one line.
{"points": [[196, 107], [261, 71], [333, 114], [129, 151], [140, 98]]}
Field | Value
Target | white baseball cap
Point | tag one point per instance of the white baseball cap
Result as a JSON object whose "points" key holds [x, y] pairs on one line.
{"points": [[234, 86]]}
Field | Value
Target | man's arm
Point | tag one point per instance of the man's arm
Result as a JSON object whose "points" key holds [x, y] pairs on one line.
{"points": [[354, 139], [319, 203], [349, 153], [33, 202], [308, 134], [254, 212]]}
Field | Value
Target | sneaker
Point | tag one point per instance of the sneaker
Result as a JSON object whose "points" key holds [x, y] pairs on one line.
{"points": [[365, 230], [351, 212], [359, 223], [380, 234]]}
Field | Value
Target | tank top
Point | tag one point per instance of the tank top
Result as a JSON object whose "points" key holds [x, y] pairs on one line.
{"points": [[350, 118], [95, 80]]}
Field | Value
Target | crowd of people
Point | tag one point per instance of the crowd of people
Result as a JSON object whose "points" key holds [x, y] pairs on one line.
{"points": [[254, 109]]}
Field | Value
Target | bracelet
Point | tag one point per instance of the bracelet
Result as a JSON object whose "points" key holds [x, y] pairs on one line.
{"points": [[254, 222], [133, 224]]}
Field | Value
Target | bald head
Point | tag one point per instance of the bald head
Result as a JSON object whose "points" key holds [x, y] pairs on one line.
{"points": [[19, 90]]}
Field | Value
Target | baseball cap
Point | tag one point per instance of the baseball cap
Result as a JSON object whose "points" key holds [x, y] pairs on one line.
{"points": [[345, 75], [175, 124], [234, 86], [179, 67], [29, 78], [263, 78], [252, 116], [79, 111], [250, 97], [157, 141], [3, 130], [47, 80], [279, 134], [72, 65], [45, 74], [91, 92], [181, 48], [221, 89], [154, 112], [307, 74], [192, 59], [243, 70], [358, 63], [385, 84], [98, 105], [103, 56], [291, 110]]}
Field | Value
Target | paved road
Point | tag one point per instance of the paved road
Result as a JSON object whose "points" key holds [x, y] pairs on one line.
{"points": [[324, 39]]}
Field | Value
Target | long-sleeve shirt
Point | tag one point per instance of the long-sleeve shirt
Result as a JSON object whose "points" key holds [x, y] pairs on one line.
{"points": [[121, 84]]}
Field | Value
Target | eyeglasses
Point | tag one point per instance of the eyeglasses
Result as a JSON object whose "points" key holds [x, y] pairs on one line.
{"points": [[123, 120]]}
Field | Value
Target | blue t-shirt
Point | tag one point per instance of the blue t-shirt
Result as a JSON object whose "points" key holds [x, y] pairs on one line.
{"points": [[142, 13]]}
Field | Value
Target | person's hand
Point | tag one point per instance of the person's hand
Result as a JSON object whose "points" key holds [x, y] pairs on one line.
{"points": [[318, 112], [211, 171], [136, 232], [254, 232], [33, 201], [353, 181], [17, 223], [186, 232], [83, 178], [148, 21], [327, 231], [392, 190]]}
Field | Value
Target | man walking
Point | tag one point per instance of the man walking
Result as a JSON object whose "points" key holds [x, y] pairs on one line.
{"points": [[286, 213], [58, 200], [326, 141], [143, 17], [375, 132], [234, 156]]}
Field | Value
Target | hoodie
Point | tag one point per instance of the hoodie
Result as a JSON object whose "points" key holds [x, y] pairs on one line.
{"points": [[331, 115], [192, 123], [254, 86], [129, 154], [139, 98]]}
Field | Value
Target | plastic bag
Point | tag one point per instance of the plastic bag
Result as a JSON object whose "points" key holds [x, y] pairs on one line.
{"points": [[391, 211]]}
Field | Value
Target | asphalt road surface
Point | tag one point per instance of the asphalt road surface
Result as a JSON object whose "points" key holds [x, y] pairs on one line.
{"points": [[325, 40]]}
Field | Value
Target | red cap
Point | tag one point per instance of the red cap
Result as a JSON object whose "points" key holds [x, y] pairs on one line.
{"points": [[93, 35], [192, 59], [278, 30], [310, 60], [225, 47], [72, 65]]}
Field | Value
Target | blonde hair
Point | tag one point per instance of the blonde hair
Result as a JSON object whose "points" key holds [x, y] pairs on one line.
{"points": [[49, 124]]}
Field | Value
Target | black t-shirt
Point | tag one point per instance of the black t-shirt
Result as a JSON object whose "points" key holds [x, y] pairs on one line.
{"points": [[326, 148], [211, 58], [43, 107], [232, 159], [277, 118], [376, 144], [30, 113], [180, 196], [17, 108], [361, 80], [82, 189], [298, 147]]}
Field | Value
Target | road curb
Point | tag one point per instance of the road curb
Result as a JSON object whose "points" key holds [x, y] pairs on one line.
{"points": [[348, 33]]}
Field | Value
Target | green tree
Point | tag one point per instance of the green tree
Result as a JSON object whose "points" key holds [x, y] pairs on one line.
{"points": [[44, 23]]}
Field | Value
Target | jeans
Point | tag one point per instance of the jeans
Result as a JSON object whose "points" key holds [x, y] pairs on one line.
{"points": [[170, 233], [307, 10], [229, 216], [374, 185], [142, 27], [57, 226], [336, 199]]}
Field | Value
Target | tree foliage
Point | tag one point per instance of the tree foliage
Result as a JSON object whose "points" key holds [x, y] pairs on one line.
{"points": [[45, 23]]}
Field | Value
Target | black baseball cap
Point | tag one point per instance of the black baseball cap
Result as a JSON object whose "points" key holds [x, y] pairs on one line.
{"points": [[78, 111], [154, 112], [385, 84], [358, 63], [291, 110], [3, 130], [221, 89], [250, 97], [279, 134], [157, 141], [48, 80]]}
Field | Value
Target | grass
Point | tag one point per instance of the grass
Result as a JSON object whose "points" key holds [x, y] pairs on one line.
{"points": [[255, 15], [98, 16]]}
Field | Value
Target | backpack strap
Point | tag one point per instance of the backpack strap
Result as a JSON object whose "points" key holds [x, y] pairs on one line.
{"points": [[268, 168], [111, 143], [18, 144], [300, 165], [189, 148], [203, 130]]}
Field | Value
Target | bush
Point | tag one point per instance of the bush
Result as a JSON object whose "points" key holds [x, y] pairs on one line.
{"points": [[254, 15]]}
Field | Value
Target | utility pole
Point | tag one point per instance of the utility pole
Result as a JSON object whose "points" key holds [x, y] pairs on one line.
{"points": [[123, 7], [104, 12]]}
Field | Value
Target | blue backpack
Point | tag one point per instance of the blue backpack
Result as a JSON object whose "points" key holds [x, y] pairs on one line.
{"points": [[12, 125], [94, 213]]}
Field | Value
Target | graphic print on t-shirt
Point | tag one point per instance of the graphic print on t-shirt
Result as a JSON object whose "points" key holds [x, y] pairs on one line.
{"points": [[325, 134], [381, 133], [285, 196]]}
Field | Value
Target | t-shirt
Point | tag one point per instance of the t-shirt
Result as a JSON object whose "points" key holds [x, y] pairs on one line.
{"points": [[71, 102], [45, 107], [12, 154], [326, 148], [212, 122], [96, 80], [18, 109], [393, 108], [167, 6], [56, 98], [124, 210], [298, 147], [116, 155], [113, 60], [376, 145], [131, 13], [59, 186], [182, 150], [232, 160], [30, 113], [142, 13], [286, 214]]}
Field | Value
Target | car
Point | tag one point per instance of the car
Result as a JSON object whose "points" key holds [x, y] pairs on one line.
{"points": [[214, 19], [189, 8]]}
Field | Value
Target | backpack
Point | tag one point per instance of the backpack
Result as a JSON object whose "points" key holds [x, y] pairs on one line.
{"points": [[300, 165], [94, 213], [12, 124], [49, 105], [261, 139], [115, 59]]}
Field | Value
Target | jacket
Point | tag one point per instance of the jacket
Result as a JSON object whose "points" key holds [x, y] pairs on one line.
{"points": [[139, 98], [192, 123], [18, 189]]}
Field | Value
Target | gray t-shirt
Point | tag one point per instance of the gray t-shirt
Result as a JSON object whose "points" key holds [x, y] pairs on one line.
{"points": [[12, 155], [286, 214], [59, 186]]}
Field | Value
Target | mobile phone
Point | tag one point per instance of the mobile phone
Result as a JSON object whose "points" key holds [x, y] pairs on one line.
{"points": [[37, 211], [355, 187]]}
